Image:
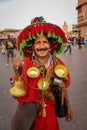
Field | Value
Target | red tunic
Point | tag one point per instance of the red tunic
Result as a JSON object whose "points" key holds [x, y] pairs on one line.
{"points": [[30, 84], [49, 122]]}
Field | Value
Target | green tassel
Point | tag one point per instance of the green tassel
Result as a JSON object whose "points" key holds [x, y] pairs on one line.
{"points": [[22, 45], [29, 45], [53, 35], [33, 37], [40, 34], [30, 37], [49, 35], [54, 53], [60, 39]]}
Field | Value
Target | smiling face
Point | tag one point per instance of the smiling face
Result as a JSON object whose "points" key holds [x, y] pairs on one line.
{"points": [[41, 47]]}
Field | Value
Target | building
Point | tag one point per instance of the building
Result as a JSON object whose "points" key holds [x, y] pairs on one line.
{"points": [[12, 32], [65, 27], [73, 32], [82, 18]]}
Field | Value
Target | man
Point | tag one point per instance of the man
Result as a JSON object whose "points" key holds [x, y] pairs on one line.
{"points": [[10, 49], [36, 109], [80, 41], [68, 48]]}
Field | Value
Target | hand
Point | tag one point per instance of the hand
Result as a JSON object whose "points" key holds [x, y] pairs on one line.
{"points": [[69, 115], [17, 66]]}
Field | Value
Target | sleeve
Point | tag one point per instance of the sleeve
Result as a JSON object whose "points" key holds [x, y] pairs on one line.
{"points": [[24, 73], [67, 83], [25, 64]]}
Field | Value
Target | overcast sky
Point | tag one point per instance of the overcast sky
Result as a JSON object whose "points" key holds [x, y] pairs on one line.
{"points": [[17, 14]]}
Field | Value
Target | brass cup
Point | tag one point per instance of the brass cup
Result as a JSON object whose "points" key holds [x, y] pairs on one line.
{"points": [[61, 71], [33, 72], [43, 84]]}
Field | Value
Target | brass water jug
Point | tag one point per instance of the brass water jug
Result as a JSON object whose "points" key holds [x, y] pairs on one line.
{"points": [[18, 90]]}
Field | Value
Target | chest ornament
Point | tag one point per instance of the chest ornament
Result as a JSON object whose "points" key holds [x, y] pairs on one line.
{"points": [[61, 71], [33, 72]]}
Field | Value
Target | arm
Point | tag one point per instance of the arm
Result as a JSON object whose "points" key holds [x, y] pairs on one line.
{"points": [[69, 110], [66, 84]]}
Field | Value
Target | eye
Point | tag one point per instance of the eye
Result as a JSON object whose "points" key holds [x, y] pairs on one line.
{"points": [[36, 43], [45, 41]]}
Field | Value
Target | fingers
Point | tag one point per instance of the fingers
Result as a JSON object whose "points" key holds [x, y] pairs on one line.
{"points": [[69, 116], [15, 62], [17, 66]]}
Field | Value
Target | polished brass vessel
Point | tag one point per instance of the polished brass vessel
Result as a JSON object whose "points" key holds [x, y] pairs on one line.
{"points": [[43, 84], [33, 72], [17, 90], [61, 71]]}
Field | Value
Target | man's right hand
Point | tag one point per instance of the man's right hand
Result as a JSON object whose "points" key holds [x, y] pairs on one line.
{"points": [[17, 66]]}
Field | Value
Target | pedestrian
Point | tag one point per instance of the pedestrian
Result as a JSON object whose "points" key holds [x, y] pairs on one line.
{"points": [[85, 43], [80, 42], [10, 49], [39, 44], [3, 47], [68, 47], [15, 47]]}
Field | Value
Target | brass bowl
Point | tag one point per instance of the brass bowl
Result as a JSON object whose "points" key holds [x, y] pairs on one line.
{"points": [[61, 71], [33, 72], [43, 84]]}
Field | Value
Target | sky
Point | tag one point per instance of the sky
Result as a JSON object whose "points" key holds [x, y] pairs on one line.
{"points": [[17, 14]]}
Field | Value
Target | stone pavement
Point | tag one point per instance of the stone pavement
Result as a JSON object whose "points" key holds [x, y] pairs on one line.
{"points": [[77, 65]]}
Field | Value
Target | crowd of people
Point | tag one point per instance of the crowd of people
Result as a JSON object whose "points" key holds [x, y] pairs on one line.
{"points": [[79, 42], [8, 48]]}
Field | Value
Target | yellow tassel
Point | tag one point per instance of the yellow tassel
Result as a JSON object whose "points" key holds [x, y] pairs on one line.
{"points": [[44, 112]]}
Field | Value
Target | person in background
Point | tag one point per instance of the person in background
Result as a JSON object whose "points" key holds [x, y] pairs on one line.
{"points": [[3, 45], [39, 44], [15, 47], [80, 42], [68, 48], [85, 43], [10, 49]]}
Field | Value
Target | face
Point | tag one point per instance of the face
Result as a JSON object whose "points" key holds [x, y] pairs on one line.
{"points": [[41, 47]]}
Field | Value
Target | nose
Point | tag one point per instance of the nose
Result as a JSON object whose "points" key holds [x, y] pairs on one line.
{"points": [[42, 45]]}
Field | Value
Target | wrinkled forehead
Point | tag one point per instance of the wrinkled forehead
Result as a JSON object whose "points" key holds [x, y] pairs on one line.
{"points": [[43, 38]]}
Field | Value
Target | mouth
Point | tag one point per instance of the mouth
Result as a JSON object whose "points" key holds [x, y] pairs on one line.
{"points": [[42, 49]]}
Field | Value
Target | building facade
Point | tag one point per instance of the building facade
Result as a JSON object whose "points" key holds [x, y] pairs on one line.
{"points": [[65, 27], [82, 17], [12, 32]]}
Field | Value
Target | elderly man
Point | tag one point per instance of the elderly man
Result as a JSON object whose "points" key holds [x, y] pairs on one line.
{"points": [[36, 106]]}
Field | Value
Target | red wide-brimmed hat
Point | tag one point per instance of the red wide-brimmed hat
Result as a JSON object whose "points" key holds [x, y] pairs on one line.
{"points": [[38, 28]]}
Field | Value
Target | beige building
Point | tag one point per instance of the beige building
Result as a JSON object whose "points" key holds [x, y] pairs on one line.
{"points": [[12, 32], [65, 27], [82, 17], [73, 32]]}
